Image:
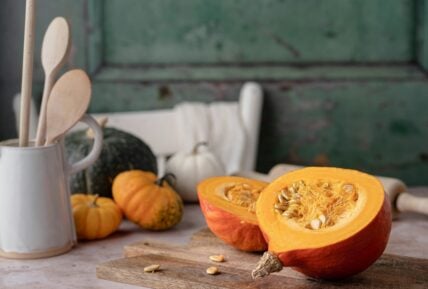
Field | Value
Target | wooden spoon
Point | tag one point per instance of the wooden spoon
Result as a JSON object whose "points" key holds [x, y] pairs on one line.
{"points": [[27, 72], [68, 102], [55, 50]]}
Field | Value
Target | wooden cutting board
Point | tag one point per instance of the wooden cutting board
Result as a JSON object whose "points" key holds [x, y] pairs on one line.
{"points": [[184, 267]]}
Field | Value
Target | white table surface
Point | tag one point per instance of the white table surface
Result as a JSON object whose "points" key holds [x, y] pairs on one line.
{"points": [[76, 269]]}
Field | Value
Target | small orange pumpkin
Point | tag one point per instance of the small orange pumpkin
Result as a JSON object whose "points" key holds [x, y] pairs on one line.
{"points": [[146, 201], [228, 204], [327, 223], [95, 217]]}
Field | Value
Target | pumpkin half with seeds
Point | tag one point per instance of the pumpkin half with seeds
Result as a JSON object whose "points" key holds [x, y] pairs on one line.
{"points": [[228, 204], [327, 223]]}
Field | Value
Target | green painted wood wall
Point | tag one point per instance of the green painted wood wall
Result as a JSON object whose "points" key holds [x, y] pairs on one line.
{"points": [[345, 80]]}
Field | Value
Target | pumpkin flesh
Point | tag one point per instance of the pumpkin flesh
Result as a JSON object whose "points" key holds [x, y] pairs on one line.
{"points": [[338, 225], [228, 205]]}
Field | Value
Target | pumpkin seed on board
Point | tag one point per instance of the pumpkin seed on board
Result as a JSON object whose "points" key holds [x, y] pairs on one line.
{"points": [[217, 258], [152, 268], [212, 270]]}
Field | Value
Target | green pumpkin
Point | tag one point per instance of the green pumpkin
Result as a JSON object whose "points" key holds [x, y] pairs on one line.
{"points": [[121, 152]]}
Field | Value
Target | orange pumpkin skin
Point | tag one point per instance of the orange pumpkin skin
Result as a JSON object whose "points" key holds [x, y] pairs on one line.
{"points": [[234, 225], [94, 217], [146, 201], [232, 230], [348, 257]]}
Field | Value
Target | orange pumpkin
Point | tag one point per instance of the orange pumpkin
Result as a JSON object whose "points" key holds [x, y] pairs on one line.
{"points": [[228, 204], [146, 201], [327, 223], [95, 217]]}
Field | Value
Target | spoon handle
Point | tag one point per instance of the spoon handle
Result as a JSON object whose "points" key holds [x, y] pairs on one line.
{"points": [[41, 127], [27, 73]]}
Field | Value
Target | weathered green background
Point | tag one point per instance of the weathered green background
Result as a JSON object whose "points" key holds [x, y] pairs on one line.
{"points": [[344, 79]]}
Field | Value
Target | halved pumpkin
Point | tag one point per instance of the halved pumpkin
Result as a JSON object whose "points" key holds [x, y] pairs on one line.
{"points": [[327, 223], [228, 204]]}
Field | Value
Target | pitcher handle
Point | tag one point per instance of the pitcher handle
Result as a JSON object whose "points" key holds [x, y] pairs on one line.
{"points": [[96, 148]]}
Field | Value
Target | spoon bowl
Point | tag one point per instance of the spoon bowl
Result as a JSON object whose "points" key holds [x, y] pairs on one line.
{"points": [[67, 104], [55, 50]]}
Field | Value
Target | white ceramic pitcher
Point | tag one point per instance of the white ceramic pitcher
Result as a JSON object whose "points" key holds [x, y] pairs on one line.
{"points": [[36, 220]]}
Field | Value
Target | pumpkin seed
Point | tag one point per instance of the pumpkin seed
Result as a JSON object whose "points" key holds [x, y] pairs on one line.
{"points": [[217, 258], [288, 214], [281, 206], [326, 185], [242, 195], [315, 224], [292, 211], [151, 268], [212, 270], [322, 218], [349, 188], [252, 207], [293, 202]]}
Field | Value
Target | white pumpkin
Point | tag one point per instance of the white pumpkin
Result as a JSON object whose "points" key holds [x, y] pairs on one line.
{"points": [[191, 168]]}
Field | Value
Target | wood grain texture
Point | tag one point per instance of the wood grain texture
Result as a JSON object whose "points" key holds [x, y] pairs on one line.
{"points": [[397, 72], [226, 31], [422, 33], [27, 72], [184, 267], [94, 35]]}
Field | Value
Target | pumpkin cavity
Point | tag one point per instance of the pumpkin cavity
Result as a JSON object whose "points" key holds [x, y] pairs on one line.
{"points": [[242, 194], [317, 204], [325, 222]]}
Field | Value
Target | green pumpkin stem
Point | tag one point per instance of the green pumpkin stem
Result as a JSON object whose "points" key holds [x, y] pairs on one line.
{"points": [[198, 145], [94, 204], [167, 177]]}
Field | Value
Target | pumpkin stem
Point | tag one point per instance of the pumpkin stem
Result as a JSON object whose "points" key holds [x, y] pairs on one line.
{"points": [[102, 121], [167, 177], [94, 204], [198, 145], [269, 263]]}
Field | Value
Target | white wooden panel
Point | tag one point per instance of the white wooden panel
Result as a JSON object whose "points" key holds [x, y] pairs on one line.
{"points": [[156, 128]]}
